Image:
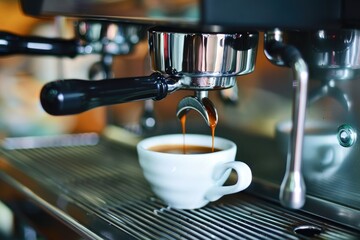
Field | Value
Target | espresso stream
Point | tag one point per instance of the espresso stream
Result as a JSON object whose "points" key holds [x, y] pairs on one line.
{"points": [[192, 149], [212, 123]]}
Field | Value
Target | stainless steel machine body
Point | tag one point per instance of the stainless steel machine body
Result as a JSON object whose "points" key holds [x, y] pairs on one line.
{"points": [[294, 67]]}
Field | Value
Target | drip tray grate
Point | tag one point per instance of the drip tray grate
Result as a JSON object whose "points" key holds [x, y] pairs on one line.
{"points": [[105, 182]]}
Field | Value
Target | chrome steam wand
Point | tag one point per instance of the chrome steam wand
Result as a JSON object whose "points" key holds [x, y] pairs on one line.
{"points": [[292, 189]]}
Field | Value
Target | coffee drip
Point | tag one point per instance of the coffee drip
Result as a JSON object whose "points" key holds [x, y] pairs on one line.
{"points": [[212, 122], [183, 128]]}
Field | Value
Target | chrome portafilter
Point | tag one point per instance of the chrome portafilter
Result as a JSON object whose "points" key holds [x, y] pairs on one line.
{"points": [[333, 57], [181, 60], [203, 62]]}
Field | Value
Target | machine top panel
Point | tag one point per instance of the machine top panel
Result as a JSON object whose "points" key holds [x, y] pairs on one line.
{"points": [[259, 14]]}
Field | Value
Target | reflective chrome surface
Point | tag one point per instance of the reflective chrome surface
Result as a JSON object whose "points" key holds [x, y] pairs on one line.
{"points": [[330, 170], [292, 189], [334, 55], [203, 60], [106, 37], [331, 90], [200, 103], [330, 54]]}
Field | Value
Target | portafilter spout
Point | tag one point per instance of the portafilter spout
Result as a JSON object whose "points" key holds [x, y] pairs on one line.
{"points": [[200, 103]]}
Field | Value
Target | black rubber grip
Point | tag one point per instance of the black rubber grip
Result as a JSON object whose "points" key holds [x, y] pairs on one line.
{"points": [[65, 97], [13, 44]]}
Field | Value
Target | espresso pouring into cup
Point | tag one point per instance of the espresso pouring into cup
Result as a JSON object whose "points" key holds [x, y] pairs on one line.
{"points": [[198, 60], [327, 40]]}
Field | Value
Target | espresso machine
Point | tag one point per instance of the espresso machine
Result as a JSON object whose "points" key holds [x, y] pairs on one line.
{"points": [[276, 77]]}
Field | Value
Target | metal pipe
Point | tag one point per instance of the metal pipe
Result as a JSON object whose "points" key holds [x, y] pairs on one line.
{"points": [[292, 189]]}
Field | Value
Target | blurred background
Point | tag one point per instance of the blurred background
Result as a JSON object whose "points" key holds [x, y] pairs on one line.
{"points": [[21, 78]]}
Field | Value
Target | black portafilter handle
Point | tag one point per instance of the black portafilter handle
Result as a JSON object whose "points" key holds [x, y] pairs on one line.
{"points": [[32, 45], [65, 97]]}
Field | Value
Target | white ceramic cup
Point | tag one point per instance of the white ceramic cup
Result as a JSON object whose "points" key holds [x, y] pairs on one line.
{"points": [[322, 154], [189, 181]]}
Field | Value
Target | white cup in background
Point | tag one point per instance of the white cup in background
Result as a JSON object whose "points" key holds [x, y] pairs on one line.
{"points": [[189, 181], [322, 154]]}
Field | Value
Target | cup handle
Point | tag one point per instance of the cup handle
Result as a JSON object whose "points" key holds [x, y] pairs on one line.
{"points": [[244, 177]]}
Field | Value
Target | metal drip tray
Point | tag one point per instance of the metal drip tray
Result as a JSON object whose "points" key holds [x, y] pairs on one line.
{"points": [[97, 188]]}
